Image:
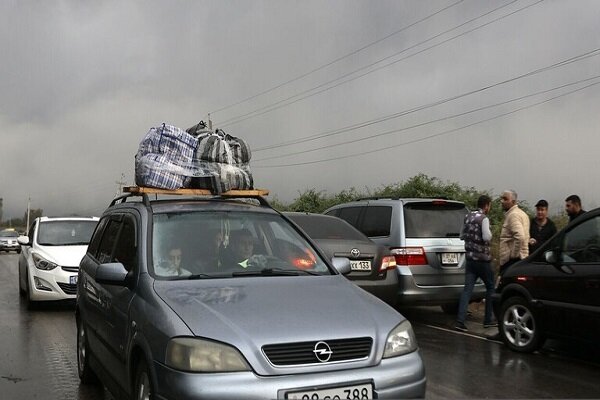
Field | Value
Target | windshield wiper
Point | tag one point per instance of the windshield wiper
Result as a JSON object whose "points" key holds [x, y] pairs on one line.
{"points": [[206, 276], [453, 234], [273, 272]]}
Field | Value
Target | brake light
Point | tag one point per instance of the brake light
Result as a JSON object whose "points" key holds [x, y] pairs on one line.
{"points": [[409, 255], [387, 263]]}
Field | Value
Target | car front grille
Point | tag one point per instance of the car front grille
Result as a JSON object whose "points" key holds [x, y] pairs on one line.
{"points": [[70, 269], [67, 288], [303, 353]]}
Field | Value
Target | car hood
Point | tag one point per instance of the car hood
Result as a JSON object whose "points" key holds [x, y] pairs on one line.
{"points": [[250, 312], [68, 256]]}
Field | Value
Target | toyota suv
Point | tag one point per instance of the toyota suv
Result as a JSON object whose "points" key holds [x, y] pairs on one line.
{"points": [[226, 298], [423, 235]]}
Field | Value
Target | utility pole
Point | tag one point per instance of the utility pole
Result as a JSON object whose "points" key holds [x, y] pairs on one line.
{"points": [[120, 183], [209, 122], [28, 211]]}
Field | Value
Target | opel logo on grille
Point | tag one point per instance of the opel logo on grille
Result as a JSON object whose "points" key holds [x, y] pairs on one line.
{"points": [[355, 253], [322, 352]]}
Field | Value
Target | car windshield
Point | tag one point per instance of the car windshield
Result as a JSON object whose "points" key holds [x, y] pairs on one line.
{"points": [[65, 232], [9, 234], [202, 245], [433, 219], [321, 227]]}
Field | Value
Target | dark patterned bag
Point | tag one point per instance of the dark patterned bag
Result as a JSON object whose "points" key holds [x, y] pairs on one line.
{"points": [[164, 157]]}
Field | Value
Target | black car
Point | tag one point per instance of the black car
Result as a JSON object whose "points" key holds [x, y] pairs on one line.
{"points": [[555, 292], [373, 267]]}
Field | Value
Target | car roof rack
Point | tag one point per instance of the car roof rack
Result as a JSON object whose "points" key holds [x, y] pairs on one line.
{"points": [[398, 198], [143, 191]]}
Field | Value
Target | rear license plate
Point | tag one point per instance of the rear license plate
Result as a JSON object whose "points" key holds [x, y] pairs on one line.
{"points": [[360, 265], [348, 392], [449, 258], [73, 280]]}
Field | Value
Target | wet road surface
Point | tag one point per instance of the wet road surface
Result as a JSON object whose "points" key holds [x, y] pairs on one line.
{"points": [[38, 359]]}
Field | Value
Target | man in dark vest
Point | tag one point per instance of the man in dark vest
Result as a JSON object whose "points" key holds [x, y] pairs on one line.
{"points": [[477, 236]]}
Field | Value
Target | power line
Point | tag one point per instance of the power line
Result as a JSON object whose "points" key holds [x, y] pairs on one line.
{"points": [[336, 60], [305, 94], [338, 131], [362, 139], [430, 136]]}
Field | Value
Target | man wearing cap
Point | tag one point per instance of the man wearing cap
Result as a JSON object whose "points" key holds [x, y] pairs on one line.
{"points": [[541, 228]]}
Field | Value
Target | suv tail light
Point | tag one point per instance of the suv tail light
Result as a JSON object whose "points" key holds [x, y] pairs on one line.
{"points": [[387, 263], [409, 255]]}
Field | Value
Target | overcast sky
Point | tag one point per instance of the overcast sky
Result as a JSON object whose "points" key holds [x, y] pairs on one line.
{"points": [[468, 91]]}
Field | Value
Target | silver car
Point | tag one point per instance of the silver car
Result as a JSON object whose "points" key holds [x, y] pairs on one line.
{"points": [[218, 298], [423, 234]]}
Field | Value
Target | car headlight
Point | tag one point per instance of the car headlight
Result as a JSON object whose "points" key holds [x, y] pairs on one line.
{"points": [[200, 355], [41, 263], [401, 340]]}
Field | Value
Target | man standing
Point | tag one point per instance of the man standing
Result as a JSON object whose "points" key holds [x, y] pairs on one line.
{"points": [[514, 237], [573, 207], [541, 228], [477, 236]]}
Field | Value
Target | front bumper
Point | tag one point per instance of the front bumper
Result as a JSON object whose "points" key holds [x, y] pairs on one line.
{"points": [[55, 284], [394, 378]]}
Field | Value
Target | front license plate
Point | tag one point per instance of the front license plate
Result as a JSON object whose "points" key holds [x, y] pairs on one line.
{"points": [[348, 392], [360, 265], [449, 258], [73, 280]]}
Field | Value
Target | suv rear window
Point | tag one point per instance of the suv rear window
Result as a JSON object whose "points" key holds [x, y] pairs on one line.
{"points": [[327, 228], [433, 219]]}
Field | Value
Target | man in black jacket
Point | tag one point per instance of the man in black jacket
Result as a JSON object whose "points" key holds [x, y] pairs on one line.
{"points": [[573, 207], [541, 227]]}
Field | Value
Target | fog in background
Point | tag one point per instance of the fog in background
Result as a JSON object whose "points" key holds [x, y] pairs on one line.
{"points": [[441, 88]]}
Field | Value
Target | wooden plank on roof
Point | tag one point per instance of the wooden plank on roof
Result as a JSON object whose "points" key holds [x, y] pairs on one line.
{"points": [[195, 192]]}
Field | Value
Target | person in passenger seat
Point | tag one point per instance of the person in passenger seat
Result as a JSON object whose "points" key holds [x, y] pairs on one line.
{"points": [[171, 265]]}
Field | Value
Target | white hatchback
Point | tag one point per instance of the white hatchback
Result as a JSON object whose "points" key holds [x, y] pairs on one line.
{"points": [[50, 256]]}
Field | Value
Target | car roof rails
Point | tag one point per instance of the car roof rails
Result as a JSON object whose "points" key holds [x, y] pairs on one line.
{"points": [[142, 191], [404, 197]]}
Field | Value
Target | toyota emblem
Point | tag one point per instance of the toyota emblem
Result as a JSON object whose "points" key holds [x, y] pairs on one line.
{"points": [[355, 253], [322, 352]]}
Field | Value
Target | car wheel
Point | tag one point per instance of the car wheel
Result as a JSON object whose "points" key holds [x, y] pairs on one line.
{"points": [[86, 374], [31, 305], [450, 308], [143, 388], [519, 327]]}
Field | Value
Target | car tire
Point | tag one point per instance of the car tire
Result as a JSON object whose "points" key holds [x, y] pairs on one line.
{"points": [[31, 304], [85, 372], [519, 325], [450, 308], [143, 388]]}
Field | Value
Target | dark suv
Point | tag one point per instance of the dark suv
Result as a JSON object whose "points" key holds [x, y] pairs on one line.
{"points": [[555, 292], [423, 235], [226, 298]]}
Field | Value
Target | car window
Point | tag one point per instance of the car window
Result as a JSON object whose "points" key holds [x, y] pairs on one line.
{"points": [[65, 233], [350, 215], [582, 243], [9, 234], [219, 244], [97, 236], [377, 221], [125, 249], [107, 243], [318, 227], [433, 219]]}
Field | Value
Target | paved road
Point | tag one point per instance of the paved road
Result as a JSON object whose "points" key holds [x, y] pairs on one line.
{"points": [[37, 356]]}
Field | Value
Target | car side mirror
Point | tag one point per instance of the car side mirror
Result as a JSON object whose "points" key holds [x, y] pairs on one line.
{"points": [[341, 264], [551, 257], [24, 241], [112, 274]]}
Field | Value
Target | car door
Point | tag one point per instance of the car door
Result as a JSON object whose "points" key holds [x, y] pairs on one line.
{"points": [[109, 304], [580, 278]]}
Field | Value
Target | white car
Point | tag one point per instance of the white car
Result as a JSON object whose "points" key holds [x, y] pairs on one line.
{"points": [[50, 256]]}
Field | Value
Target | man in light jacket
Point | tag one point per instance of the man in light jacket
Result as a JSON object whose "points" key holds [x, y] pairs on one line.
{"points": [[514, 237]]}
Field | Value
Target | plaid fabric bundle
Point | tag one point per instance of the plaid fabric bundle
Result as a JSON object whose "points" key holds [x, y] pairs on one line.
{"points": [[164, 157], [221, 177], [223, 148]]}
